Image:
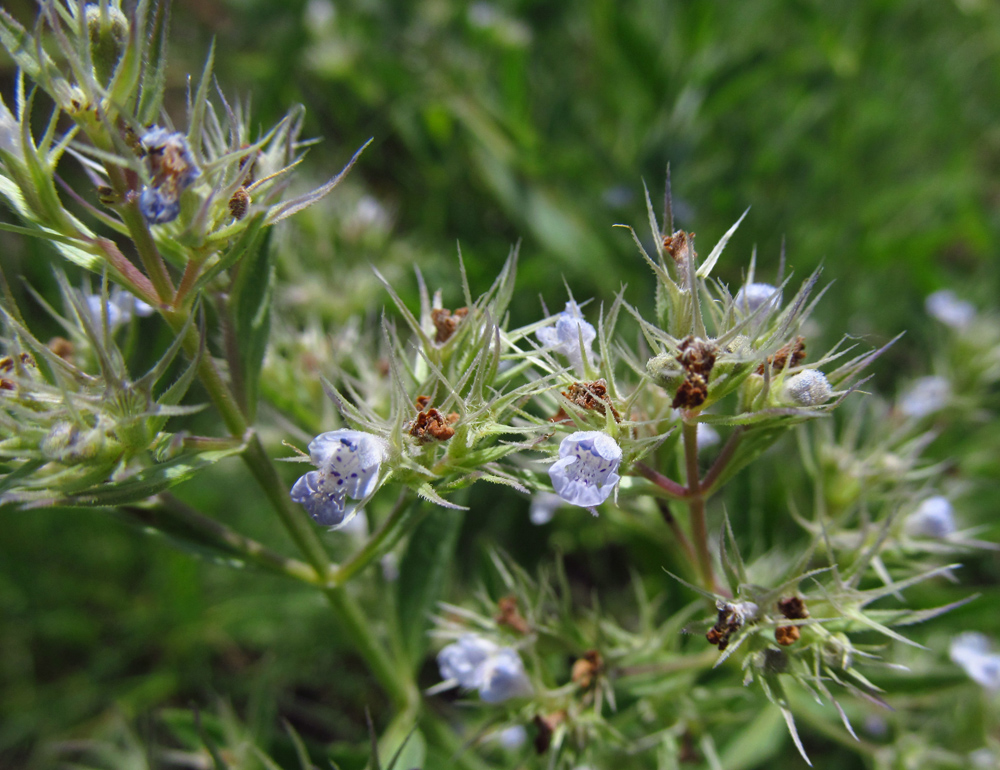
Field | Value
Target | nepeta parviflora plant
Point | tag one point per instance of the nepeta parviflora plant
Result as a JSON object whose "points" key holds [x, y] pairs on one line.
{"points": [[173, 222]]}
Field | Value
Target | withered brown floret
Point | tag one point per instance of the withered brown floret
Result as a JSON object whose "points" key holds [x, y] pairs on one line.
{"points": [[786, 635], [586, 669], [791, 353], [692, 393], [793, 608], [510, 616], [587, 395], [430, 425], [445, 322]]}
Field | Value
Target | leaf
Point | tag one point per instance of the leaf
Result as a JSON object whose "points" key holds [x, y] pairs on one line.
{"points": [[253, 291], [422, 574], [754, 744], [708, 264]]}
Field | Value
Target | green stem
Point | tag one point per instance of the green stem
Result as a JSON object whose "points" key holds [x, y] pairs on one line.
{"points": [[675, 527], [696, 507], [178, 513], [728, 450], [401, 519]]}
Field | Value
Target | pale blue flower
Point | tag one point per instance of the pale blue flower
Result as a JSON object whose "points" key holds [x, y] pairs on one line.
{"points": [[543, 507], [925, 396], [513, 737], [972, 651], [946, 307], [347, 463], [587, 471], [572, 336], [172, 170], [120, 307], [753, 295], [933, 518], [808, 388], [476, 663]]}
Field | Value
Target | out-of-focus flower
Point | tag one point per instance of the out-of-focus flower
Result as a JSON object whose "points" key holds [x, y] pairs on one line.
{"points": [[543, 507], [972, 651], [753, 295], [476, 663], [587, 471], [172, 171], [933, 518], [572, 336], [808, 388], [512, 737], [925, 396], [347, 463], [946, 307], [10, 132], [707, 436], [120, 308]]}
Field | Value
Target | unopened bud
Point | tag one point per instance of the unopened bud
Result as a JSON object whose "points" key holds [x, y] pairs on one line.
{"points": [[108, 30], [808, 388]]}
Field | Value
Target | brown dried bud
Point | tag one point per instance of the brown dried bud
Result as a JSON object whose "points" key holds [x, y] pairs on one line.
{"points": [[430, 424], [586, 669], [546, 725], [680, 246], [239, 204], [7, 365], [792, 353], [692, 393], [62, 347], [510, 616], [588, 395], [445, 322], [697, 355], [786, 635], [793, 608]]}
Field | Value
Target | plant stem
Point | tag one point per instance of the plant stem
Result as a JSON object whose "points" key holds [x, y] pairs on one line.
{"points": [[668, 485], [675, 527], [696, 507], [725, 455], [179, 513], [401, 519]]}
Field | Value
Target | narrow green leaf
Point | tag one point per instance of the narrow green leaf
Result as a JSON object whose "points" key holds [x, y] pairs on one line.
{"points": [[253, 291], [422, 575]]}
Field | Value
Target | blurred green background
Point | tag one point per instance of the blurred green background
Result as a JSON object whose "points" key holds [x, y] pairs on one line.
{"points": [[866, 136]]}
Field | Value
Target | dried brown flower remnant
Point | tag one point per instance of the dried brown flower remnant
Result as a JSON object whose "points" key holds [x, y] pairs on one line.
{"points": [[546, 725], [510, 616], [239, 204], [62, 347], [692, 393], [586, 669], [445, 322], [7, 366], [680, 246], [793, 608], [792, 353], [786, 635], [697, 357], [430, 424], [732, 617], [587, 395]]}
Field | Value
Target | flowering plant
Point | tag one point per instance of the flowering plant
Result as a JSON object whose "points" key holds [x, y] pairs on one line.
{"points": [[406, 420]]}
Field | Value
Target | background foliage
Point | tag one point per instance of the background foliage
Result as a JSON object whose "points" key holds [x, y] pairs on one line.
{"points": [[866, 136]]}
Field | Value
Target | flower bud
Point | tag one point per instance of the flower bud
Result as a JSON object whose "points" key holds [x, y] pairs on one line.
{"points": [[808, 388], [108, 30], [666, 371]]}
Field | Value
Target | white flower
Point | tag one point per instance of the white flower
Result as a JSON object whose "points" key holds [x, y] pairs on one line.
{"points": [[476, 663], [572, 336], [753, 295], [707, 436], [933, 518], [808, 388], [947, 308], [347, 463], [587, 470], [925, 396], [971, 651], [543, 507]]}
